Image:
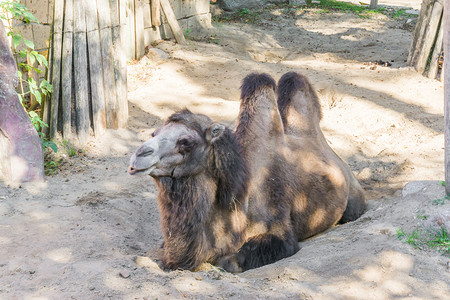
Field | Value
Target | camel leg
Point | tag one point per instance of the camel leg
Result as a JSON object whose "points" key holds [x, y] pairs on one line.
{"points": [[258, 251], [356, 204]]}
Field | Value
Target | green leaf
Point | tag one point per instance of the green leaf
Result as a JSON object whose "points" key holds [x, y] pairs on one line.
{"points": [[38, 97], [19, 74], [16, 40], [23, 53], [28, 43], [53, 146], [32, 58]]}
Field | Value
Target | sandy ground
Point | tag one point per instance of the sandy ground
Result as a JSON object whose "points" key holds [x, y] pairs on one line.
{"points": [[91, 231]]}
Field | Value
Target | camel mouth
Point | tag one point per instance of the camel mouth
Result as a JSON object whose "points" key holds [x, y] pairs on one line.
{"points": [[132, 170]]}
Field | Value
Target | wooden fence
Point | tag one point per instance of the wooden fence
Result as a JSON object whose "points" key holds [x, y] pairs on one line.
{"points": [[425, 54], [91, 42]]}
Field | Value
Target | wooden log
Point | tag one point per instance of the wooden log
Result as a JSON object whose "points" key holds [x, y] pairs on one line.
{"points": [[80, 72], [173, 23], [120, 67], [434, 62], [95, 71], [67, 68], [58, 14], [446, 76], [111, 104], [156, 12], [419, 32], [139, 25], [429, 38]]}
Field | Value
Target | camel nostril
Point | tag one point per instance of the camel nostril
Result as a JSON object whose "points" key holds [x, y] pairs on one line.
{"points": [[132, 170]]}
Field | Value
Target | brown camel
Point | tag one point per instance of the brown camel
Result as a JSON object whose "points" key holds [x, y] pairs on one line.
{"points": [[244, 199]]}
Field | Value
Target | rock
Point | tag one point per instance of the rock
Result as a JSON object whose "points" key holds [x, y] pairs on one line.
{"points": [[414, 187], [124, 274], [297, 2], [232, 5], [155, 54], [412, 12]]}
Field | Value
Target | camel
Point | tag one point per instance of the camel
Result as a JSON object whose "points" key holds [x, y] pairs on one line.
{"points": [[242, 199]]}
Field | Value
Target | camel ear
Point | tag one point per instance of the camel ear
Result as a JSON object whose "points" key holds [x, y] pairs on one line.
{"points": [[229, 167], [214, 132]]}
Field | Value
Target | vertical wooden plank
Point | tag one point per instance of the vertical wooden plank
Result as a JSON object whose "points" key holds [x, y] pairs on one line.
{"points": [[120, 68], [434, 62], [80, 71], [58, 14], [67, 64], [430, 37], [131, 53], [156, 13], [95, 70], [173, 23], [419, 32], [139, 25], [104, 20], [446, 80]]}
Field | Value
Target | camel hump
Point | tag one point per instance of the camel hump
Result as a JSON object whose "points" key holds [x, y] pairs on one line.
{"points": [[294, 90], [255, 81]]}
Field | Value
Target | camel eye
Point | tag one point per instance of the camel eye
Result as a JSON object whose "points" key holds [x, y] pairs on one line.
{"points": [[185, 145]]}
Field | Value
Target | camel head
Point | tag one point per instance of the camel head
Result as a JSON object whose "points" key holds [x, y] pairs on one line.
{"points": [[177, 149], [189, 144]]}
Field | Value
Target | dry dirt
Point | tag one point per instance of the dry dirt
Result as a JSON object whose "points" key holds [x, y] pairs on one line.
{"points": [[91, 231]]}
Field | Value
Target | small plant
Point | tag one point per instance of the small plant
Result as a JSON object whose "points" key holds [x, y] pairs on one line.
{"points": [[50, 167], [400, 233], [440, 201], [443, 183], [69, 149], [243, 12], [422, 217], [441, 240], [186, 33], [421, 237]]}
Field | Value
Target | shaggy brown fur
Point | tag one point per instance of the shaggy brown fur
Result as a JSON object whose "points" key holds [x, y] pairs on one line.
{"points": [[242, 200]]}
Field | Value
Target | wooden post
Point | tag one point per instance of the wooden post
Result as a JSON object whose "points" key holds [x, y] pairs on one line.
{"points": [[131, 53], [80, 71], [139, 23], [430, 36], [419, 32], [434, 62], [373, 4], [58, 14], [173, 23], [104, 19], [95, 70], [447, 93], [120, 64], [67, 68], [156, 13]]}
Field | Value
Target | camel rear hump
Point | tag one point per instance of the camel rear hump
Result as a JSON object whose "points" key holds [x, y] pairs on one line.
{"points": [[298, 105]]}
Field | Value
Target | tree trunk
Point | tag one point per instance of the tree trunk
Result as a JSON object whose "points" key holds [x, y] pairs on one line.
{"points": [[21, 154]]}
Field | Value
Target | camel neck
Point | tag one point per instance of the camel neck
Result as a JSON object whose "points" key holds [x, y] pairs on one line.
{"points": [[185, 204]]}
